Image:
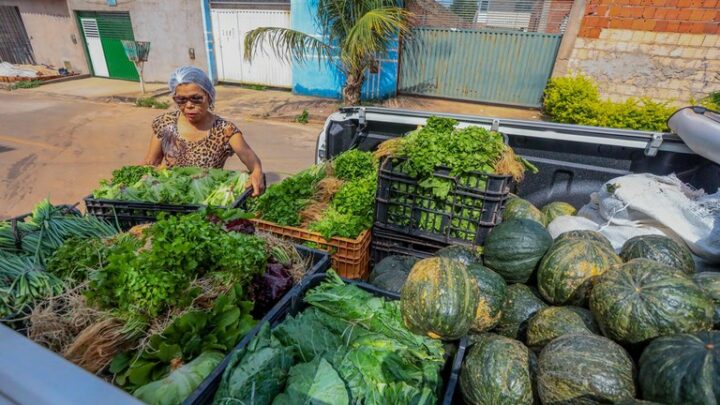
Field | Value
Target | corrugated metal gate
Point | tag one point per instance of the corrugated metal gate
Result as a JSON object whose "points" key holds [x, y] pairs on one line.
{"points": [[496, 51], [14, 42]]}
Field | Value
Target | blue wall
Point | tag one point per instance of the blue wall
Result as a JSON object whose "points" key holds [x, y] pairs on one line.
{"points": [[324, 79]]}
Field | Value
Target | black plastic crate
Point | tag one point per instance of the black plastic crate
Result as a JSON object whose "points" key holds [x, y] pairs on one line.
{"points": [[388, 243], [126, 214], [292, 304], [472, 207]]}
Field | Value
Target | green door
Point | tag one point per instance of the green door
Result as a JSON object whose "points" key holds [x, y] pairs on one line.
{"points": [[113, 28]]}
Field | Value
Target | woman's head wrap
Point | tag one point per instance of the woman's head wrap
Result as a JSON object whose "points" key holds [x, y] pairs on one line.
{"points": [[191, 74]]}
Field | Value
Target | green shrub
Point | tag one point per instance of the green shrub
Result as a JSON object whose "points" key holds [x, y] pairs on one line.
{"points": [[151, 102], [303, 117], [576, 100], [25, 84], [712, 101]]}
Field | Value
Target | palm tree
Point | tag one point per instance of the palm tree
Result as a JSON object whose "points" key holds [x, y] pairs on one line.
{"points": [[353, 34]]}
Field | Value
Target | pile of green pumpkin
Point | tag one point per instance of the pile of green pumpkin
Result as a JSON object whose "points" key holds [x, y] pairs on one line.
{"points": [[567, 321]]}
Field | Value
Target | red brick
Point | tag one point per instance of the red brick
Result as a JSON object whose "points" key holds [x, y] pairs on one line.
{"points": [[709, 15], [637, 25], [685, 27], [615, 23], [660, 13], [635, 2], [649, 12], [697, 15], [710, 3], [696, 3], [636, 12], [717, 18], [683, 3], [604, 22], [626, 23], [673, 26], [649, 25], [697, 28], [615, 11], [602, 11], [684, 14], [672, 14], [657, 3], [662, 26], [711, 28], [671, 3]]}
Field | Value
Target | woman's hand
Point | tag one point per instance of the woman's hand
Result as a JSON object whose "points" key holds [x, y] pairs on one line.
{"points": [[258, 185]]}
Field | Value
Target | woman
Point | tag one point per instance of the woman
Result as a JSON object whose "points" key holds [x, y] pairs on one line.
{"points": [[194, 135]]}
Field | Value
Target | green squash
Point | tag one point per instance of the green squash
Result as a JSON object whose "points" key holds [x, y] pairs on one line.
{"points": [[497, 371], [520, 306], [493, 291], [682, 369], [567, 271], [644, 299], [635, 401], [517, 208], [514, 248], [439, 299], [557, 209], [583, 368], [660, 249], [391, 272], [586, 235], [552, 322], [181, 382], [466, 254], [710, 283]]}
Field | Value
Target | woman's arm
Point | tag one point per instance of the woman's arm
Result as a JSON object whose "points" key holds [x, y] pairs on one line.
{"points": [[154, 154], [251, 161]]}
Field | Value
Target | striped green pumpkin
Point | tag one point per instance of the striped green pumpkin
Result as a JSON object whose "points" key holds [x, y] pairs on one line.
{"points": [[439, 299], [567, 271], [517, 208], [552, 322], [557, 209], [520, 306], [514, 248], [660, 249], [497, 371], [644, 299], [584, 369], [584, 234], [682, 369], [492, 293], [710, 283]]}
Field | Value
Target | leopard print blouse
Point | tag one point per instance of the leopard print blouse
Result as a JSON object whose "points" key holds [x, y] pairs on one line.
{"points": [[209, 152]]}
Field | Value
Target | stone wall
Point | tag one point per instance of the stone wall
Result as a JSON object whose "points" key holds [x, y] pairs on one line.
{"points": [[663, 49]]}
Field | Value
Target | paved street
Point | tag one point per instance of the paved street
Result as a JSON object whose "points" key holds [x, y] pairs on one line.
{"points": [[60, 147]]}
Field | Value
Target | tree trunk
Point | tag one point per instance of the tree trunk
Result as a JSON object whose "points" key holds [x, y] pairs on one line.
{"points": [[353, 88]]}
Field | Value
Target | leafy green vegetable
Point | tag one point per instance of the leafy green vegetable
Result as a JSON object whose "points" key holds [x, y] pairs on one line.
{"points": [[282, 202], [189, 335], [347, 346], [180, 383], [316, 382], [77, 257], [354, 165], [137, 282], [179, 185], [256, 373]]}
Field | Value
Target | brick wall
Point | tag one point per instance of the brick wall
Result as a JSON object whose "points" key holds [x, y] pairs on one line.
{"points": [[663, 49]]}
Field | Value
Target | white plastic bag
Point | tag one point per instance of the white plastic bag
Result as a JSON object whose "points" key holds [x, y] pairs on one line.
{"points": [[662, 203]]}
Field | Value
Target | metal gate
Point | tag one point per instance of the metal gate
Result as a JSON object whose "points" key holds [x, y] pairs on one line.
{"points": [[14, 42], [229, 29], [496, 51], [103, 34]]}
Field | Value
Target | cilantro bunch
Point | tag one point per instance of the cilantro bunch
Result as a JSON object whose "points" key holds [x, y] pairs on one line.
{"points": [[281, 203]]}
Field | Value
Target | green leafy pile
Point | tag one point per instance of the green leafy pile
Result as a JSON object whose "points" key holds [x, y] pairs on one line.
{"points": [[350, 210], [219, 328], [180, 185], [282, 202], [26, 247], [147, 275], [348, 347], [576, 100]]}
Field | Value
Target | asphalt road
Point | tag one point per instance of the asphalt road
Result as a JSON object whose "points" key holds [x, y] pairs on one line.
{"points": [[60, 147]]}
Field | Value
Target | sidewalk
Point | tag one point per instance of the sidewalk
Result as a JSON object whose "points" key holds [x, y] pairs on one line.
{"points": [[276, 105]]}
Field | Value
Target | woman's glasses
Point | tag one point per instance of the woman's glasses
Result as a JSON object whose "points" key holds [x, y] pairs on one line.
{"points": [[197, 100]]}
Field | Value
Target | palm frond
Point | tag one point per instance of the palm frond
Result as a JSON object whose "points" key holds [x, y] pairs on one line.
{"points": [[372, 33], [288, 45]]}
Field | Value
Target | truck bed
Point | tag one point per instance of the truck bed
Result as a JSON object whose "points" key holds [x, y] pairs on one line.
{"points": [[573, 160]]}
